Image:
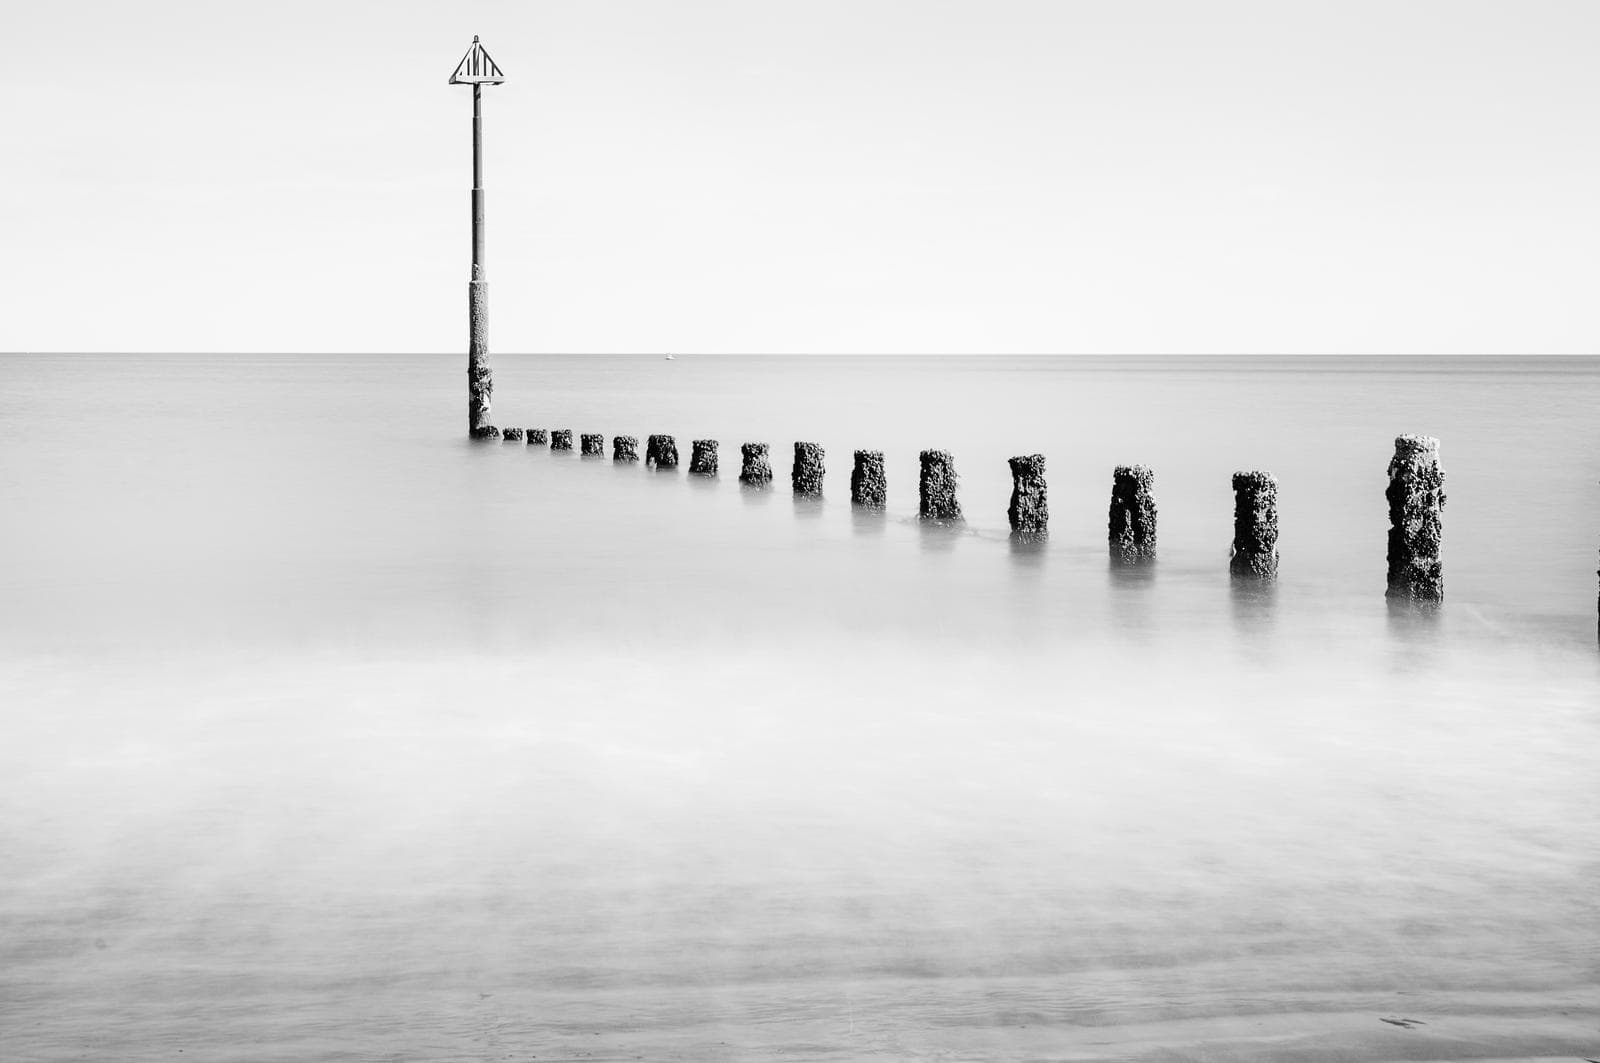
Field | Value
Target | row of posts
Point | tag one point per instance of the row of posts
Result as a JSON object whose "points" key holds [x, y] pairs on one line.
{"points": [[1415, 493]]}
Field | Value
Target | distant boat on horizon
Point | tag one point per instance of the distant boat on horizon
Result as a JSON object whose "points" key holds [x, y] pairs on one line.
{"points": [[669, 356]]}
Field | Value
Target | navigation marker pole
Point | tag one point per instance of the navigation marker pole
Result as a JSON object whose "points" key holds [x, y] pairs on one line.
{"points": [[477, 69]]}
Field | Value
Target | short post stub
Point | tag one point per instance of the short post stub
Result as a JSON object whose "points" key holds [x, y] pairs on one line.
{"points": [[808, 471], [936, 487], [1416, 504], [868, 484], [560, 439], [624, 448], [538, 435], [661, 452], [511, 435], [754, 469], [1255, 526], [485, 431], [703, 457], [592, 445], [1131, 525], [1029, 512]]}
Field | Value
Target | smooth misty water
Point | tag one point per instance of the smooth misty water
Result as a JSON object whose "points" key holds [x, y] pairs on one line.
{"points": [[329, 735]]}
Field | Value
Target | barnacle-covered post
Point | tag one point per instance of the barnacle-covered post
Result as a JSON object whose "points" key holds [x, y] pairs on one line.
{"points": [[868, 485], [806, 476], [756, 469], [477, 69], [936, 487], [1255, 526], [703, 458], [1131, 523], [661, 452], [1416, 499], [1029, 512]]}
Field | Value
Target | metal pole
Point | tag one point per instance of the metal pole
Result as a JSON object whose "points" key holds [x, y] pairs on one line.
{"points": [[480, 380], [477, 182]]}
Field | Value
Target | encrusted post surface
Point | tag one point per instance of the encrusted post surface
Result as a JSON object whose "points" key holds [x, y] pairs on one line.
{"points": [[808, 471], [936, 487], [1029, 512], [480, 379], [661, 452], [560, 439], [485, 431], [754, 467], [868, 484], [538, 435], [624, 448], [1131, 525], [511, 435], [703, 457], [1255, 526], [1416, 504], [592, 445]]}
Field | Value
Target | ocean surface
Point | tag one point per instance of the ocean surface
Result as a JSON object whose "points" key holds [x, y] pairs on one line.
{"points": [[330, 735]]}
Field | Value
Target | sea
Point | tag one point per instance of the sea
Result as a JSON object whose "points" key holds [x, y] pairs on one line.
{"points": [[330, 734]]}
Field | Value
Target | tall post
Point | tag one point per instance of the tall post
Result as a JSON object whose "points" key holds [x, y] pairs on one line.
{"points": [[480, 378], [477, 69]]}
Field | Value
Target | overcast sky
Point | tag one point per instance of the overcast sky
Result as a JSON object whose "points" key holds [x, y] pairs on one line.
{"points": [[827, 175]]}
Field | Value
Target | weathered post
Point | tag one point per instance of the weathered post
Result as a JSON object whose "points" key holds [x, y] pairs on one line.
{"points": [[1255, 526], [1132, 520], [486, 431], [624, 448], [538, 435], [661, 452], [755, 469], [1416, 499], [936, 488], [592, 445], [868, 484], [560, 439], [807, 474], [703, 458], [512, 435], [477, 69], [1029, 512]]}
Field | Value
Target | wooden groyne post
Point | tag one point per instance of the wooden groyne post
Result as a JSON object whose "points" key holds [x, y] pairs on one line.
{"points": [[592, 445], [936, 487], [624, 448], [477, 69], [1416, 504], [661, 452], [512, 435], [538, 435], [1131, 523], [1029, 512], [703, 457], [808, 471], [560, 439], [1255, 526], [868, 484], [754, 469]]}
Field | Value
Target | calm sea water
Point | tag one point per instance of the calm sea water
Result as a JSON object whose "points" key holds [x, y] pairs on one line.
{"points": [[330, 735]]}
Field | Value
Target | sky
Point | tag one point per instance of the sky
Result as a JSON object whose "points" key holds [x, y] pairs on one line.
{"points": [[876, 176]]}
